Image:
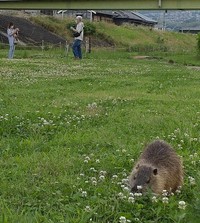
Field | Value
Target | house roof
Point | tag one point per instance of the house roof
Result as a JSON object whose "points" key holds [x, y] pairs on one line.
{"points": [[121, 14], [144, 17]]}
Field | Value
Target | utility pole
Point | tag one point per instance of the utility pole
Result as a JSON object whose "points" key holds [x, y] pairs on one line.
{"points": [[89, 38], [164, 20]]}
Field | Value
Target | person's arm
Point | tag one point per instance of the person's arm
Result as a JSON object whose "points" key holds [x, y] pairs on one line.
{"points": [[12, 32], [72, 28]]}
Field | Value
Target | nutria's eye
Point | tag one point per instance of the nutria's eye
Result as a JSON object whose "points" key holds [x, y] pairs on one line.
{"points": [[155, 171], [134, 177]]}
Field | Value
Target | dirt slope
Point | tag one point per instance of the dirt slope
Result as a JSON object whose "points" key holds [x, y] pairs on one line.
{"points": [[29, 32]]}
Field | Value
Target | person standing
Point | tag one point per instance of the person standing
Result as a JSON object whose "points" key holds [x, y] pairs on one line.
{"points": [[12, 33], [76, 47]]}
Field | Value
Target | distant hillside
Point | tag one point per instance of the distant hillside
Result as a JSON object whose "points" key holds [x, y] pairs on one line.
{"points": [[54, 30], [174, 19]]}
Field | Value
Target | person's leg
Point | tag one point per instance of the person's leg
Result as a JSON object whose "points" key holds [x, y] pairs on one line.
{"points": [[11, 52], [79, 50], [74, 48]]}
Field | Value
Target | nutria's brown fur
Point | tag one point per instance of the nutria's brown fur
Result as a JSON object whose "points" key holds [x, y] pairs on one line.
{"points": [[158, 168]]}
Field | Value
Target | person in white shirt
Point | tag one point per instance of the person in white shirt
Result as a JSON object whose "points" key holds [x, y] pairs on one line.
{"points": [[12, 34], [78, 38]]}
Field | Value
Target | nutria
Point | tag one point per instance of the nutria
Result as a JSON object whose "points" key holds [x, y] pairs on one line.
{"points": [[158, 168]]}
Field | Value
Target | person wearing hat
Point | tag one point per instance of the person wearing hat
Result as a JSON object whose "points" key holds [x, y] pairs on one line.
{"points": [[78, 38]]}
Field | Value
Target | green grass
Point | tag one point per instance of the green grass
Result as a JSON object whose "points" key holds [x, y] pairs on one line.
{"points": [[71, 130]]}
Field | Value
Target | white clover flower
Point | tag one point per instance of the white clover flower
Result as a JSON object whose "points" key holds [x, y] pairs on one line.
{"points": [[179, 146], [122, 219], [114, 177], [84, 194], [164, 193], [93, 169], [137, 194], [131, 200], [154, 199], [178, 191], [186, 135], [125, 181], [165, 200], [87, 158], [82, 174], [125, 188], [97, 161], [94, 182], [87, 209], [191, 180], [124, 174], [121, 196], [182, 205], [176, 130], [102, 178], [103, 172]]}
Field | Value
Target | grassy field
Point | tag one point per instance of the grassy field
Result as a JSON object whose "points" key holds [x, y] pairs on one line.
{"points": [[71, 132]]}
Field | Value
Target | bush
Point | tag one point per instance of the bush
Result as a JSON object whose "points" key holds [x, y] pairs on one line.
{"points": [[89, 28]]}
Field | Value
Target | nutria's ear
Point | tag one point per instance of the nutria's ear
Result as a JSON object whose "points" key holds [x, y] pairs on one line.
{"points": [[155, 171], [137, 166]]}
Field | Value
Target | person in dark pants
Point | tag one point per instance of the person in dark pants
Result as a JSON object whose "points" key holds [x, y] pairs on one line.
{"points": [[78, 39]]}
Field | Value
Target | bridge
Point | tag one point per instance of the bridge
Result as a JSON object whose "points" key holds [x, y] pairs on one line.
{"points": [[103, 4]]}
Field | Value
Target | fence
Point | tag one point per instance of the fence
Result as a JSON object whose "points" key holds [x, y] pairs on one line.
{"points": [[65, 47], [57, 49]]}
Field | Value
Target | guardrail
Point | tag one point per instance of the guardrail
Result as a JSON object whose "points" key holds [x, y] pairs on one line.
{"points": [[102, 4]]}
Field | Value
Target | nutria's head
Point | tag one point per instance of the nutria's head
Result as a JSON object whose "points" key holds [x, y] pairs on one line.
{"points": [[142, 178]]}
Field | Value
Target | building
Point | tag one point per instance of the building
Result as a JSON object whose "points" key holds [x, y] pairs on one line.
{"points": [[120, 17]]}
